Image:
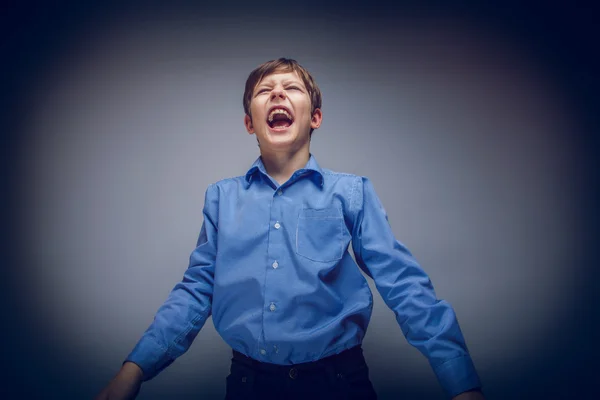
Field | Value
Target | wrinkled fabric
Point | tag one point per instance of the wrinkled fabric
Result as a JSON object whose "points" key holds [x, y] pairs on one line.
{"points": [[273, 267]]}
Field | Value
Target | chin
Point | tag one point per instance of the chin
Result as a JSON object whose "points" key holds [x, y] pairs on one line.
{"points": [[283, 142]]}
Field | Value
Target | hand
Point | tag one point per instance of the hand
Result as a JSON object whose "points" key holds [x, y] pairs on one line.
{"points": [[470, 395], [125, 385]]}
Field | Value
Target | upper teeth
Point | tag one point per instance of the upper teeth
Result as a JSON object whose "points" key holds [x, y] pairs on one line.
{"points": [[278, 111]]}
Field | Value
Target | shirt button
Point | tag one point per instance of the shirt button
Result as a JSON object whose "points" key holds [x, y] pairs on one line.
{"points": [[277, 225], [272, 307], [275, 264], [279, 192], [293, 373], [263, 351]]}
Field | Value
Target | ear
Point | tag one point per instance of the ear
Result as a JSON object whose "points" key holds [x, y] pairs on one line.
{"points": [[248, 124], [317, 117]]}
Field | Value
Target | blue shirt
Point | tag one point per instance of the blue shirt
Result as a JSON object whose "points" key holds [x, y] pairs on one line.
{"points": [[273, 268]]}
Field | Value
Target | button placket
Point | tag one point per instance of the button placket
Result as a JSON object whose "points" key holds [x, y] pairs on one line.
{"points": [[276, 240]]}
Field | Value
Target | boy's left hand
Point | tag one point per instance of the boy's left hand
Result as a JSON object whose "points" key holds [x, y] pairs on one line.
{"points": [[470, 395]]}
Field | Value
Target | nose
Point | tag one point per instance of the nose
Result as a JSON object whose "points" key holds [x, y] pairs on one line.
{"points": [[277, 92]]}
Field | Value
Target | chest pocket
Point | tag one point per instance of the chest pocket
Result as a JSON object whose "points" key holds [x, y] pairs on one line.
{"points": [[319, 234]]}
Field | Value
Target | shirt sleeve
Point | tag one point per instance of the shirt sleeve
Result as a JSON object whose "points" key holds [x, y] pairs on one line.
{"points": [[428, 324], [180, 318]]}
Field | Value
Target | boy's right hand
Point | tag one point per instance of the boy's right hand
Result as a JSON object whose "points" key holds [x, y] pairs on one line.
{"points": [[125, 385]]}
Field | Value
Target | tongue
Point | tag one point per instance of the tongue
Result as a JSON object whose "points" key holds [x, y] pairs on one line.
{"points": [[281, 124]]}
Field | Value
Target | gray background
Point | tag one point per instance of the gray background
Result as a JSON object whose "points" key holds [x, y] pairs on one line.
{"points": [[472, 132]]}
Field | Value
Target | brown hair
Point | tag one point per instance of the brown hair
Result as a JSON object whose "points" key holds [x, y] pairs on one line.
{"points": [[282, 65]]}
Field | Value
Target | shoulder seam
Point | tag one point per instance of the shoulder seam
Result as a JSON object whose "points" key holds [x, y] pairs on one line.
{"points": [[354, 202], [329, 172], [227, 179]]}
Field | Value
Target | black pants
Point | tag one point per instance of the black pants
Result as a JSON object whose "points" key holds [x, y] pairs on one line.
{"points": [[341, 376]]}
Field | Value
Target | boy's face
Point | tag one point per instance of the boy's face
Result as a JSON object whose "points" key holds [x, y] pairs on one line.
{"points": [[281, 113]]}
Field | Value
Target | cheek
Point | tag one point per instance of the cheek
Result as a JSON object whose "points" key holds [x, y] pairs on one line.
{"points": [[304, 117], [257, 116]]}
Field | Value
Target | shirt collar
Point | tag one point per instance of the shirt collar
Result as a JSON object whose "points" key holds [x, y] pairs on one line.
{"points": [[311, 168]]}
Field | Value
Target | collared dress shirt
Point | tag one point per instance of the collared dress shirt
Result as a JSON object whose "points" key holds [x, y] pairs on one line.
{"points": [[273, 268]]}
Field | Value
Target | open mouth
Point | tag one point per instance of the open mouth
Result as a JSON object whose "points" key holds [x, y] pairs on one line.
{"points": [[280, 118]]}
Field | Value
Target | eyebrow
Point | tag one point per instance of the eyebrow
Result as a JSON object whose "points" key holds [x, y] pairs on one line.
{"points": [[285, 82]]}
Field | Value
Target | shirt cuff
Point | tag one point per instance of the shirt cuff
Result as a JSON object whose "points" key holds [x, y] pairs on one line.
{"points": [[150, 357], [457, 375]]}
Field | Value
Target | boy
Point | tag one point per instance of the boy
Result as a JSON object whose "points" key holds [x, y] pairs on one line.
{"points": [[273, 269]]}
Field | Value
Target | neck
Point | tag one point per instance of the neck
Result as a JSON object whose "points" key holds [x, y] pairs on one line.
{"points": [[282, 165]]}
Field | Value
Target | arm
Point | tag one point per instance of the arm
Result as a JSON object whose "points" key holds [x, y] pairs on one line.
{"points": [[179, 319], [125, 385], [428, 324]]}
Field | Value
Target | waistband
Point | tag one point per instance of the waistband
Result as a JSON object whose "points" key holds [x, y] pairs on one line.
{"points": [[349, 356]]}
